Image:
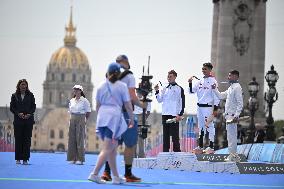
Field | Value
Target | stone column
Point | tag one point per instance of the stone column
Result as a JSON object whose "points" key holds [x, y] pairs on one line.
{"points": [[238, 42], [214, 35]]}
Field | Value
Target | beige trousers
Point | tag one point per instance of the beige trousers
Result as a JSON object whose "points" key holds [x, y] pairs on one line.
{"points": [[76, 141]]}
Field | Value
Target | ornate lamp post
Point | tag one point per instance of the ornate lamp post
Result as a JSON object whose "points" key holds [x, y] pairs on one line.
{"points": [[270, 97], [253, 88]]}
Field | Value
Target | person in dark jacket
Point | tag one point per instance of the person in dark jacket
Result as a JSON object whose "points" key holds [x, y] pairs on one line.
{"points": [[23, 106]]}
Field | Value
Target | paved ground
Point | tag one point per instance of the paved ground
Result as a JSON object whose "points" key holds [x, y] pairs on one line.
{"points": [[51, 171]]}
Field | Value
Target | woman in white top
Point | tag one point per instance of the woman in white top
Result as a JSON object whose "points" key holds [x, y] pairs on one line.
{"points": [[79, 108], [110, 98]]}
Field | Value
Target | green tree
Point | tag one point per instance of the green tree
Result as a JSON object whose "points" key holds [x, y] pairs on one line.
{"points": [[279, 124]]}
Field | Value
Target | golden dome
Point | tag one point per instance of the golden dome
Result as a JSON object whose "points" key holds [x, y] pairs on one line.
{"points": [[69, 56]]}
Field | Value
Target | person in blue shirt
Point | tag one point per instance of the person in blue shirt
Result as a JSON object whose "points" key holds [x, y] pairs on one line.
{"points": [[111, 96]]}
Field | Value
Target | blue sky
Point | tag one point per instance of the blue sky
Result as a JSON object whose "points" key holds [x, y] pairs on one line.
{"points": [[175, 33]]}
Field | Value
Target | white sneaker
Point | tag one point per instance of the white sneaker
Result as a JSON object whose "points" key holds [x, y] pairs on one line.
{"points": [[79, 163], [25, 162], [229, 158], [96, 179], [209, 150], [233, 157], [118, 180], [197, 150], [236, 158], [72, 162]]}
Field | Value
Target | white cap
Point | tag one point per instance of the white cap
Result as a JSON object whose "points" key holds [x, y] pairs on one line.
{"points": [[78, 87]]}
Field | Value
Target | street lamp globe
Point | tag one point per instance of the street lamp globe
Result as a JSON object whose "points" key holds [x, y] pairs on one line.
{"points": [[271, 76], [253, 87], [271, 92], [253, 104]]}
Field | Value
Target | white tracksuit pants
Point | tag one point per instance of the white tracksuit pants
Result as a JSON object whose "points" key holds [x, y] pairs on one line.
{"points": [[232, 131], [203, 113]]}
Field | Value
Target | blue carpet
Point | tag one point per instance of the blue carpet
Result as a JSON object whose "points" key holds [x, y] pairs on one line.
{"points": [[51, 171]]}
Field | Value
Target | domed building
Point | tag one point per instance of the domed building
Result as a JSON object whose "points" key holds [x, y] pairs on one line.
{"points": [[68, 66]]}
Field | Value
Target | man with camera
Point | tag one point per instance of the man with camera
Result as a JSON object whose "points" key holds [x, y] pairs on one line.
{"points": [[131, 134], [173, 102]]}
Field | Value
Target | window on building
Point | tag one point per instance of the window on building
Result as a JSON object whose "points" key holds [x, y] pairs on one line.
{"points": [[74, 77], [62, 77], [35, 136], [60, 147], [84, 78], [52, 77], [50, 97], [62, 99], [61, 134], [34, 143], [97, 146], [51, 133]]}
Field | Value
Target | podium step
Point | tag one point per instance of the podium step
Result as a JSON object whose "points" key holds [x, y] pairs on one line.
{"points": [[217, 157], [205, 163], [261, 168]]}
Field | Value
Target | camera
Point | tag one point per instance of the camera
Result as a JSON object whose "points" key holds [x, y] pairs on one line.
{"points": [[145, 88]]}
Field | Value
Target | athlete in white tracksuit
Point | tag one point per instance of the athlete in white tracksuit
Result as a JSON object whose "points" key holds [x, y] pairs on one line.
{"points": [[233, 108], [207, 102], [172, 99]]}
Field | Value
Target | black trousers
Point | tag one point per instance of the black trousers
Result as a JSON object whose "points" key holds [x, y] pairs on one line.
{"points": [[170, 129], [23, 134]]}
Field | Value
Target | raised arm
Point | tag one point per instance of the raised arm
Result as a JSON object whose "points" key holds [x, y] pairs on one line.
{"points": [[220, 95], [158, 94]]}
